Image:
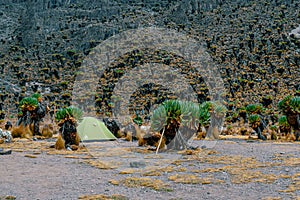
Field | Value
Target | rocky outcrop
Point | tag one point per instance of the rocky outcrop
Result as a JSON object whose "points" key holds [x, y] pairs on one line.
{"points": [[44, 42]]}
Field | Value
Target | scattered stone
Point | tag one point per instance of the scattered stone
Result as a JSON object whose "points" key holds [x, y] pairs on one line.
{"points": [[5, 135], [286, 169], [137, 164], [3, 152]]}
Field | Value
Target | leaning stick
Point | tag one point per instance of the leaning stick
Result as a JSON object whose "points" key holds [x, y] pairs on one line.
{"points": [[160, 140]]}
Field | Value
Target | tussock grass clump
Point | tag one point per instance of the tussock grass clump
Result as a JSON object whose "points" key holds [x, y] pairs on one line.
{"points": [[21, 132], [192, 179], [294, 184], [103, 197], [100, 164], [47, 131], [136, 182]]}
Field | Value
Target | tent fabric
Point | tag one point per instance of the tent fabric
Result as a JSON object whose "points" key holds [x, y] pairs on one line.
{"points": [[92, 129]]}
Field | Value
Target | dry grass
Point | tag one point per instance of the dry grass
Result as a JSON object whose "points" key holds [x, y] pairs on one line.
{"points": [[21, 132], [128, 171], [103, 197], [111, 152], [30, 156], [141, 150], [71, 156], [193, 179], [238, 176], [80, 151], [292, 161], [114, 182], [152, 173], [136, 182], [101, 164], [240, 169], [294, 184], [158, 171], [25, 145], [8, 197], [233, 160]]}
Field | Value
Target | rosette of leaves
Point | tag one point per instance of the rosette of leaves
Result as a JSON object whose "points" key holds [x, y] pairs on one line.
{"points": [[233, 117], [284, 126], [273, 128], [37, 96], [204, 115], [217, 108], [290, 105], [189, 114], [167, 114], [70, 113], [254, 109], [243, 113], [258, 125], [254, 120], [274, 131], [28, 104], [217, 112], [173, 114], [166, 119], [20, 113], [295, 105], [284, 104], [159, 118], [138, 120], [173, 110]]}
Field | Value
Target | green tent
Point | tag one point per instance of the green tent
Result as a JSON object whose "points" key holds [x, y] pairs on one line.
{"points": [[92, 129]]}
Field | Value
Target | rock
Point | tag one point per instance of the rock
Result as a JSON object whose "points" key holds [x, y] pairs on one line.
{"points": [[295, 33], [137, 164], [5, 152], [286, 169]]}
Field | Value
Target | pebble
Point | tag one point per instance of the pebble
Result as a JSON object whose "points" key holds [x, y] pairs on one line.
{"points": [[137, 164], [286, 169]]}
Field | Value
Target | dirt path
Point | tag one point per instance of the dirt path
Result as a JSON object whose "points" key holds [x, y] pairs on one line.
{"points": [[229, 169]]}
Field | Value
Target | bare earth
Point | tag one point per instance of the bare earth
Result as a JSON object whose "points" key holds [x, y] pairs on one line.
{"points": [[228, 169]]}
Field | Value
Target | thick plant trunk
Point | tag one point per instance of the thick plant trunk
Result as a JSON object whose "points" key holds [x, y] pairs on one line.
{"points": [[180, 141], [260, 136], [297, 128], [294, 121], [297, 135], [69, 134], [213, 130]]}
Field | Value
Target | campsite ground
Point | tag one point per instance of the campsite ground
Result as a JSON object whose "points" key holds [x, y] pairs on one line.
{"points": [[227, 169]]}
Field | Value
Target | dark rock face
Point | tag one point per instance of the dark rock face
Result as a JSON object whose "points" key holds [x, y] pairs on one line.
{"points": [[46, 41]]}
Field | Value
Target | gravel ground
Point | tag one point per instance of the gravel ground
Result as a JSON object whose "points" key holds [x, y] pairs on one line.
{"points": [[227, 169]]}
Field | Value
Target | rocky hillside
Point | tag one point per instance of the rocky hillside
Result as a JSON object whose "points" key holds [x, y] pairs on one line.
{"points": [[44, 42]]}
